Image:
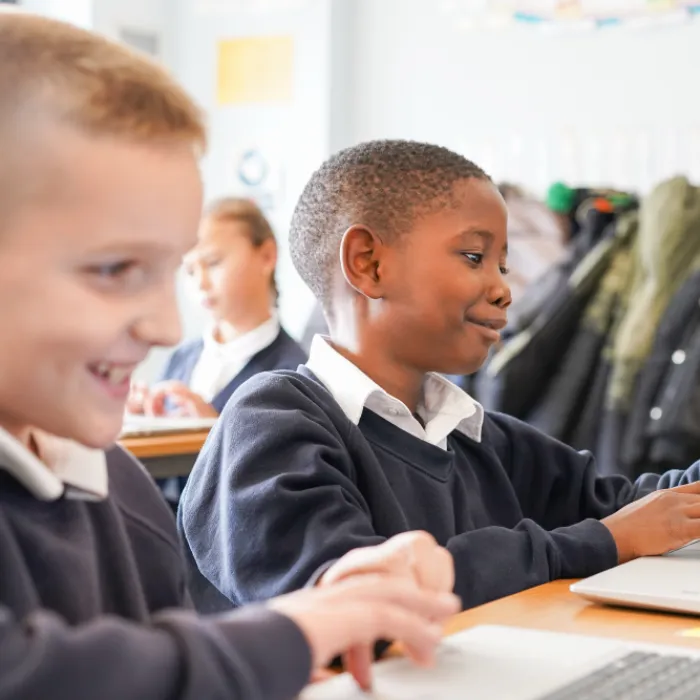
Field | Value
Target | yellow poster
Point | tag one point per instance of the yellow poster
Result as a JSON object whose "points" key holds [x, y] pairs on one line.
{"points": [[255, 69]]}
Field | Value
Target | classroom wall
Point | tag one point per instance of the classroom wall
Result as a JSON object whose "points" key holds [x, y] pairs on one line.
{"points": [[78, 12], [616, 106], [156, 17]]}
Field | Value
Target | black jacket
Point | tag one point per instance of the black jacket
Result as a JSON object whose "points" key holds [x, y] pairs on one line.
{"points": [[664, 426]]}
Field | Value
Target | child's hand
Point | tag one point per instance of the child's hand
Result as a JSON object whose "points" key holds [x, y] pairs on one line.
{"points": [[658, 523], [414, 557], [185, 401], [136, 403], [360, 611]]}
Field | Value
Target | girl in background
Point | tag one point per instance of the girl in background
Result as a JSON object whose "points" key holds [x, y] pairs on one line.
{"points": [[233, 266]]}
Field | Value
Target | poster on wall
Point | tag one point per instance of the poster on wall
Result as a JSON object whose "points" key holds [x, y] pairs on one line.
{"points": [[255, 70], [590, 14], [599, 12]]}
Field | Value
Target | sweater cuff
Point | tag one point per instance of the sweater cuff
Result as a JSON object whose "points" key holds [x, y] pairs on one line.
{"points": [[275, 649], [586, 549]]}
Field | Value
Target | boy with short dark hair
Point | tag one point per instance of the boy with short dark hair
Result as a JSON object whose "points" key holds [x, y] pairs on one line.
{"points": [[100, 196], [405, 246]]}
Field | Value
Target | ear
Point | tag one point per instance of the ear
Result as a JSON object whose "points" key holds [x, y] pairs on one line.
{"points": [[361, 253], [268, 253]]}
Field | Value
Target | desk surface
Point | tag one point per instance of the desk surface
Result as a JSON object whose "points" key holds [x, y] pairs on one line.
{"points": [[165, 445], [554, 608]]}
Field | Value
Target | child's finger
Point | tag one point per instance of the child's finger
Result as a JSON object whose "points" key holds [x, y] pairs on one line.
{"points": [[358, 663]]}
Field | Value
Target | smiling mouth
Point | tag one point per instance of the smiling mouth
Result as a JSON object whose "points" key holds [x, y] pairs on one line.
{"points": [[112, 374], [496, 325]]}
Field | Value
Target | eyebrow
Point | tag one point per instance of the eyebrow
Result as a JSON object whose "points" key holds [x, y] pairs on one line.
{"points": [[485, 235]]}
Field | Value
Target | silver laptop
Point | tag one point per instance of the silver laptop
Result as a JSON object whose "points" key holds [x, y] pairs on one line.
{"points": [[504, 663], [670, 582]]}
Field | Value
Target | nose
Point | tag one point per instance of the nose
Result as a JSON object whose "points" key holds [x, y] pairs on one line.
{"points": [[159, 323], [498, 293]]}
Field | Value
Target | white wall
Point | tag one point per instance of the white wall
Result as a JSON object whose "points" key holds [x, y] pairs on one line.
{"points": [[616, 106], [150, 16], [76, 11]]}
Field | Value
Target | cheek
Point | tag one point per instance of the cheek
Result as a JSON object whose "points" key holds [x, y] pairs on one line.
{"points": [[239, 276], [217, 277], [67, 324]]}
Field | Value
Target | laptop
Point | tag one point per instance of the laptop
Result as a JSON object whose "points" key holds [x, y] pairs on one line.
{"points": [[505, 663], [669, 582]]}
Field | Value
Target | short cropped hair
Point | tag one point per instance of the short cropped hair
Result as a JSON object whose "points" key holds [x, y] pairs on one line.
{"points": [[84, 80], [383, 185], [235, 209]]}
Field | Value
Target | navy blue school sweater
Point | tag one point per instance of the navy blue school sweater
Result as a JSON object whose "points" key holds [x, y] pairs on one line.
{"points": [[89, 598], [286, 484]]}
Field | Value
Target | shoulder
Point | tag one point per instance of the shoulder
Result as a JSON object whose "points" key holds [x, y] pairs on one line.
{"points": [[277, 412], [273, 423], [282, 389], [135, 494], [182, 354], [188, 348]]}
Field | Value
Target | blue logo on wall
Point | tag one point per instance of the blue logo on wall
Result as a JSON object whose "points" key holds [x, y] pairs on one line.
{"points": [[253, 168]]}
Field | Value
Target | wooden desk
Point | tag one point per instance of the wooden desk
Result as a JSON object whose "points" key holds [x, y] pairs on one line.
{"points": [[554, 608], [166, 455]]}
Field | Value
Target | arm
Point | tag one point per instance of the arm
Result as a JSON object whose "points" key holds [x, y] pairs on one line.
{"points": [[272, 501], [564, 500], [558, 486], [178, 657]]}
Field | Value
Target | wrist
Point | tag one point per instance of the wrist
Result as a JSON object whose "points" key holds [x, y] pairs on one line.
{"points": [[625, 549]]}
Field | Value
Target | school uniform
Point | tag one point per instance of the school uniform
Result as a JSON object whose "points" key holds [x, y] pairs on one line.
{"points": [[305, 466], [87, 550], [215, 370]]}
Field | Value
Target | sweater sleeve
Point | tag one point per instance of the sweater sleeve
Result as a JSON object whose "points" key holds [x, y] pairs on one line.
{"points": [[253, 654], [563, 499], [273, 498], [559, 487]]}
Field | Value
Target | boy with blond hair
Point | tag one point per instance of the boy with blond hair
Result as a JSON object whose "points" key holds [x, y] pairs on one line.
{"points": [[100, 196]]}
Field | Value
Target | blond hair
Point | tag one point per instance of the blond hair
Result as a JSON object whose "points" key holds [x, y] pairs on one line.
{"points": [[235, 209], [86, 81]]}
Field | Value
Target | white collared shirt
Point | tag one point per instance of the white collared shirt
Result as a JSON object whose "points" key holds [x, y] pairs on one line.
{"points": [[219, 363], [444, 407], [68, 468]]}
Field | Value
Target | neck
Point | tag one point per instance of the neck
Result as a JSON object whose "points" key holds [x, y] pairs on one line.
{"points": [[348, 324], [226, 330], [400, 382], [22, 433]]}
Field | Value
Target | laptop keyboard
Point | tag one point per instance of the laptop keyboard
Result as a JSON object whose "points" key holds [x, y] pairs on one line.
{"points": [[637, 676]]}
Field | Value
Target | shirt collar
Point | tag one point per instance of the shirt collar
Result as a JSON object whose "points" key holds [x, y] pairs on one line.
{"points": [[68, 468], [445, 406], [245, 345]]}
